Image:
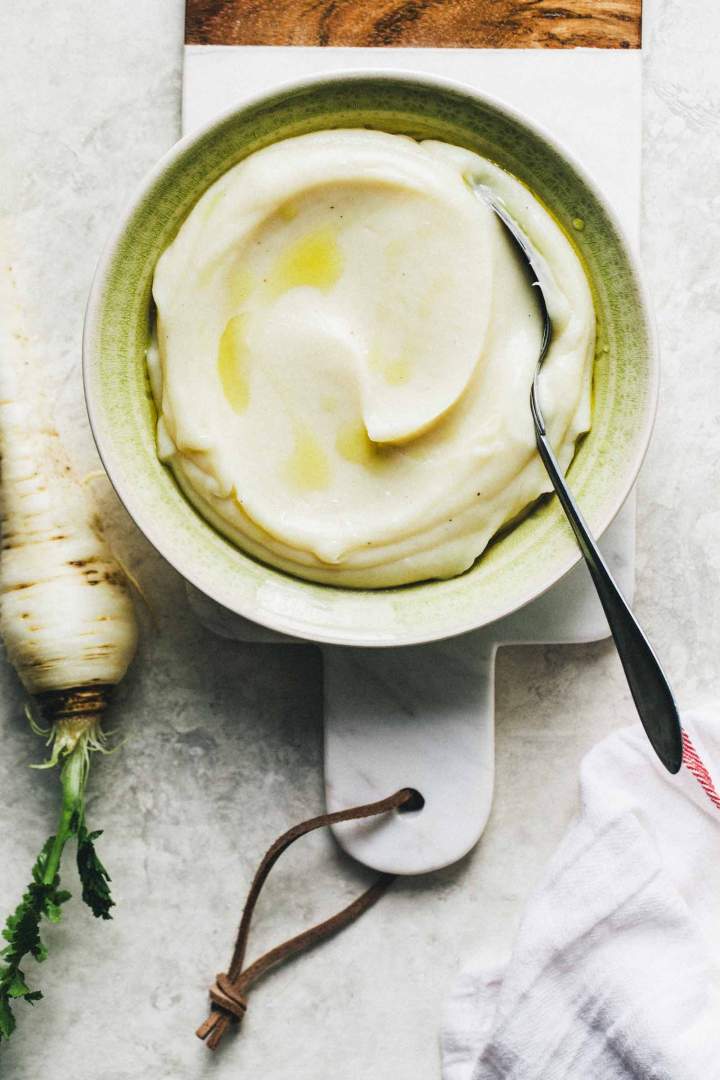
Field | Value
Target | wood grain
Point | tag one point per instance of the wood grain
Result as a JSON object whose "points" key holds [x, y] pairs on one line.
{"points": [[607, 24]]}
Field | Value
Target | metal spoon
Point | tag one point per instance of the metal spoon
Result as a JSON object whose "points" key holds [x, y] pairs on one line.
{"points": [[649, 687]]}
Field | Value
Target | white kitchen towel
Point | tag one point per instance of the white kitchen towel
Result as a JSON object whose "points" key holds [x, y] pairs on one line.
{"points": [[615, 972]]}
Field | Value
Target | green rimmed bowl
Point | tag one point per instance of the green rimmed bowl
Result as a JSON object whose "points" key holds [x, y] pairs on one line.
{"points": [[519, 565]]}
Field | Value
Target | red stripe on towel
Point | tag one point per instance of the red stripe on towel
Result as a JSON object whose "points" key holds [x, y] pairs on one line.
{"points": [[693, 762]]}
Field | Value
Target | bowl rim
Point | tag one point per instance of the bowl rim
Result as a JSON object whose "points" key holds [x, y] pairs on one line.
{"points": [[284, 622]]}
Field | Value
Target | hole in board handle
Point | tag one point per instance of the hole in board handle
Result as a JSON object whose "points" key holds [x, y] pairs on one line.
{"points": [[414, 804]]}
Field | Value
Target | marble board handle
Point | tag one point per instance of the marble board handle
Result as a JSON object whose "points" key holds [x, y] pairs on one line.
{"points": [[419, 717]]}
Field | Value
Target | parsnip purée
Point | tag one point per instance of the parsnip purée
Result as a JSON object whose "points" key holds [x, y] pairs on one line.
{"points": [[345, 344]]}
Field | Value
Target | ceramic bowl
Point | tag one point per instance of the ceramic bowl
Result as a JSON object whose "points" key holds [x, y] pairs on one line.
{"points": [[518, 565]]}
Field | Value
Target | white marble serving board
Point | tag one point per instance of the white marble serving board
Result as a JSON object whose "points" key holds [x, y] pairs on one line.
{"points": [[422, 716]]}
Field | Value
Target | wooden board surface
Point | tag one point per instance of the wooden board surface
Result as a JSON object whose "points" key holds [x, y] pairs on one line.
{"points": [[607, 24]]}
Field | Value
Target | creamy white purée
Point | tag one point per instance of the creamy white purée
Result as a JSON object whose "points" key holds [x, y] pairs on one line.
{"points": [[345, 344]]}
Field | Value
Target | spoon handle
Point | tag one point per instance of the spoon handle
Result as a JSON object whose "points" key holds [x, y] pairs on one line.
{"points": [[649, 687]]}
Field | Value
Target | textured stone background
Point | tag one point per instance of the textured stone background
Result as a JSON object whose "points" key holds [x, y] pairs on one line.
{"points": [[223, 747]]}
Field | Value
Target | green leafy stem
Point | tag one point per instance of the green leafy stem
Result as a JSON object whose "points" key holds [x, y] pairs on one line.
{"points": [[43, 897]]}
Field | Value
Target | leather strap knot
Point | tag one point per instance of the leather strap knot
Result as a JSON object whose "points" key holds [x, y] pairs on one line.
{"points": [[226, 995]]}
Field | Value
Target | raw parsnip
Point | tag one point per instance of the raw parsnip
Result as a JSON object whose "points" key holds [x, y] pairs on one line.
{"points": [[68, 626]]}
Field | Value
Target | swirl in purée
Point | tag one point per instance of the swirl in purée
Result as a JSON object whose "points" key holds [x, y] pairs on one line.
{"points": [[345, 344]]}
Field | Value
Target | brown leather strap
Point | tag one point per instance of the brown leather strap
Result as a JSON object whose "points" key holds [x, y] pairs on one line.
{"points": [[227, 995]]}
